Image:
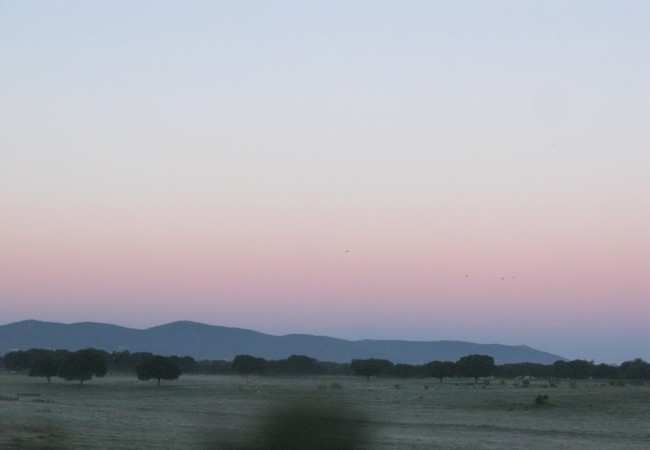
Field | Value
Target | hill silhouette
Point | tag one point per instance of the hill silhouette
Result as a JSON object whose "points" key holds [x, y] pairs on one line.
{"points": [[203, 341]]}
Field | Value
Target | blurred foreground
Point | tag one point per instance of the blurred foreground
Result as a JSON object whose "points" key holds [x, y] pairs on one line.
{"points": [[240, 413]]}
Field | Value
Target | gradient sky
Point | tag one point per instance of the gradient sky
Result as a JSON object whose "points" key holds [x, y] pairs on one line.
{"points": [[361, 169]]}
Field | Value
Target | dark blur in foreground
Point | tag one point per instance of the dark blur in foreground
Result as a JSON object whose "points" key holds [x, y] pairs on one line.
{"points": [[305, 425]]}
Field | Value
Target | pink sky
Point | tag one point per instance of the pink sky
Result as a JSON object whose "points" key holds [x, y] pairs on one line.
{"points": [[361, 171]]}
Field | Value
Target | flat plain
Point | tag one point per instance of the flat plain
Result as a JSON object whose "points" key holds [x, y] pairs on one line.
{"points": [[212, 411]]}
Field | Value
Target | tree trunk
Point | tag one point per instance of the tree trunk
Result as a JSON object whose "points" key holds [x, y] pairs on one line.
{"points": [[158, 381]]}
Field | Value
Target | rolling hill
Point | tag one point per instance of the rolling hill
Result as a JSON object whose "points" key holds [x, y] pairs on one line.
{"points": [[203, 341]]}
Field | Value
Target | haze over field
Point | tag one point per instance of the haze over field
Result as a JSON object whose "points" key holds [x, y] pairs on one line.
{"points": [[431, 170]]}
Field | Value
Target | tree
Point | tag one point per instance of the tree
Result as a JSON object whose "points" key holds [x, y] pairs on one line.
{"points": [[560, 369], [475, 366], [46, 363], [578, 369], [604, 371], [246, 364], [187, 364], [39, 362], [369, 367], [16, 360], [440, 369], [157, 368], [297, 365], [126, 361], [83, 364], [635, 370], [406, 370]]}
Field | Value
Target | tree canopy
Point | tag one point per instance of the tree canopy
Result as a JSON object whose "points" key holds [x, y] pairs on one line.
{"points": [[158, 368], [441, 369], [476, 366], [83, 364], [247, 364], [16, 360], [637, 369], [370, 367], [46, 363]]}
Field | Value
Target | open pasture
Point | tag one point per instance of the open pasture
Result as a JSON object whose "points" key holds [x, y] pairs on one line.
{"points": [[224, 412]]}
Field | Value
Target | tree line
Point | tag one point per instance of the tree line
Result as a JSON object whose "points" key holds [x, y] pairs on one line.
{"points": [[478, 366], [470, 366], [83, 364]]}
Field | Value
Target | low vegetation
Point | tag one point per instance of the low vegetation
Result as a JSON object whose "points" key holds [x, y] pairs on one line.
{"points": [[320, 411], [299, 402], [82, 365]]}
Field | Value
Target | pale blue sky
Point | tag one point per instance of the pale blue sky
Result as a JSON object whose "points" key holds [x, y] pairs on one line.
{"points": [[437, 137]]}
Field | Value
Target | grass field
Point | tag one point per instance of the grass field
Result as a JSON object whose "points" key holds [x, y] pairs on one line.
{"points": [[224, 411]]}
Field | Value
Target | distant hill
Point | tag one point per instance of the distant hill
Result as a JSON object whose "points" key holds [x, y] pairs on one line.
{"points": [[223, 343]]}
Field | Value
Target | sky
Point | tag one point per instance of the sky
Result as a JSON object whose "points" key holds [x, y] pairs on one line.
{"points": [[421, 170]]}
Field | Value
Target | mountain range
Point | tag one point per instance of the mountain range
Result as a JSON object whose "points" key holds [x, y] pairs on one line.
{"points": [[201, 341]]}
